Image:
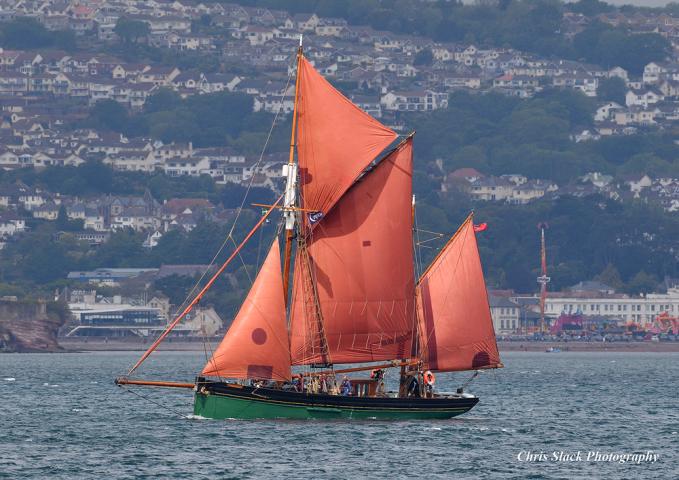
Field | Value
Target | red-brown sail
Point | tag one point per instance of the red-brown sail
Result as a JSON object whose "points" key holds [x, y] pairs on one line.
{"points": [[361, 257], [256, 345], [457, 329], [336, 140]]}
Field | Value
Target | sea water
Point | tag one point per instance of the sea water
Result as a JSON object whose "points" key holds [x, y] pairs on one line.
{"points": [[543, 416]]}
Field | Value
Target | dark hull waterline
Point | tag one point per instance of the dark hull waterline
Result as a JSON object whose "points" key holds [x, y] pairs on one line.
{"points": [[232, 401]]}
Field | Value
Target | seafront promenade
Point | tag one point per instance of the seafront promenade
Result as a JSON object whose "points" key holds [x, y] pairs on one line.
{"points": [[196, 344]]}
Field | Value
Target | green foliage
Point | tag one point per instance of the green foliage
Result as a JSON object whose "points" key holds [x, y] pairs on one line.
{"points": [[642, 283], [602, 44], [587, 238], [63, 224], [164, 99], [528, 25], [110, 115], [612, 90], [499, 135], [123, 249], [27, 33], [176, 287], [233, 197], [130, 31], [590, 8], [610, 276], [37, 258], [206, 120], [423, 57], [95, 178]]}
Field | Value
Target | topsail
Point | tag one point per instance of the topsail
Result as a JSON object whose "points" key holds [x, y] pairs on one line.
{"points": [[336, 141]]}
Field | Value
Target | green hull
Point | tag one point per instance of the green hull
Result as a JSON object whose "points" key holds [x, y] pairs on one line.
{"points": [[222, 406]]}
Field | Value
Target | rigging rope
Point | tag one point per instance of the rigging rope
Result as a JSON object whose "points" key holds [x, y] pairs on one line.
{"points": [[471, 379], [235, 220], [148, 399], [247, 191]]}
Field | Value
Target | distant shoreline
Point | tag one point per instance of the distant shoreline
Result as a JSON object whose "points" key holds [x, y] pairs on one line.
{"points": [[185, 345], [589, 346]]}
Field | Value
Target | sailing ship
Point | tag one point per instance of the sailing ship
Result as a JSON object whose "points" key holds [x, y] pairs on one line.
{"points": [[347, 223]]}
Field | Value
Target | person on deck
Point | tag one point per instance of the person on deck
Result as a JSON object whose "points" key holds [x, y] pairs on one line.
{"points": [[378, 377], [414, 387], [345, 388]]}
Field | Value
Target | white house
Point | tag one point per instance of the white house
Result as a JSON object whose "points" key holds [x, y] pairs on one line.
{"points": [[605, 112], [638, 182], [618, 72], [653, 72], [418, 100], [505, 314], [192, 166], [643, 98]]}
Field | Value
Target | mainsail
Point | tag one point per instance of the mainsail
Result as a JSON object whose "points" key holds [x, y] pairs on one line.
{"points": [[354, 296], [456, 326], [336, 141], [256, 345], [361, 260]]}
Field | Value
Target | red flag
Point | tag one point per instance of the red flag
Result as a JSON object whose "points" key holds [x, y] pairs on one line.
{"points": [[480, 227]]}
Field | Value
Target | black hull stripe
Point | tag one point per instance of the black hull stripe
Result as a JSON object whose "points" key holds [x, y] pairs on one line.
{"points": [[313, 401]]}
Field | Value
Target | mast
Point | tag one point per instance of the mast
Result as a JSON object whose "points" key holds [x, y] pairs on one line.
{"points": [[414, 347], [290, 170], [543, 279]]}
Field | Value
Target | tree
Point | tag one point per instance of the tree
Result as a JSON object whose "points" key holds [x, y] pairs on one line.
{"points": [[164, 99], [590, 8], [24, 33], [233, 194], [612, 90], [130, 31], [176, 287], [642, 283], [109, 114], [600, 43], [64, 224], [610, 276], [423, 57]]}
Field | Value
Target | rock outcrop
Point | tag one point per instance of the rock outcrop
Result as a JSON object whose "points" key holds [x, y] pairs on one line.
{"points": [[29, 326]]}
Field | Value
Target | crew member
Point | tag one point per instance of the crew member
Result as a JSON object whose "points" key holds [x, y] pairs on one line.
{"points": [[345, 388]]}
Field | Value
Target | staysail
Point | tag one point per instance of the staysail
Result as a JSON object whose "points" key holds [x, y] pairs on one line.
{"points": [[456, 326], [336, 141], [256, 345], [361, 259]]}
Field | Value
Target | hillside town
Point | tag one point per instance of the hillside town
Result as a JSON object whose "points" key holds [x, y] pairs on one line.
{"points": [[45, 93], [384, 72], [517, 189], [390, 67]]}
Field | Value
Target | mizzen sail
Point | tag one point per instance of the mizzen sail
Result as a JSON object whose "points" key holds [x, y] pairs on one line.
{"points": [[256, 345], [336, 141], [361, 259], [457, 329]]}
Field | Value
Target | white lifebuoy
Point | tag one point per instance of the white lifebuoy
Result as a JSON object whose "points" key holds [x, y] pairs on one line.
{"points": [[429, 378]]}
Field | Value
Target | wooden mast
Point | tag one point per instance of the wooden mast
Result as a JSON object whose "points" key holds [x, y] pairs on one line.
{"points": [[290, 193]]}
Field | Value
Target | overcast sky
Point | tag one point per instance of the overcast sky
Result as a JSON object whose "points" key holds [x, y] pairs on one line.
{"points": [[639, 3]]}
